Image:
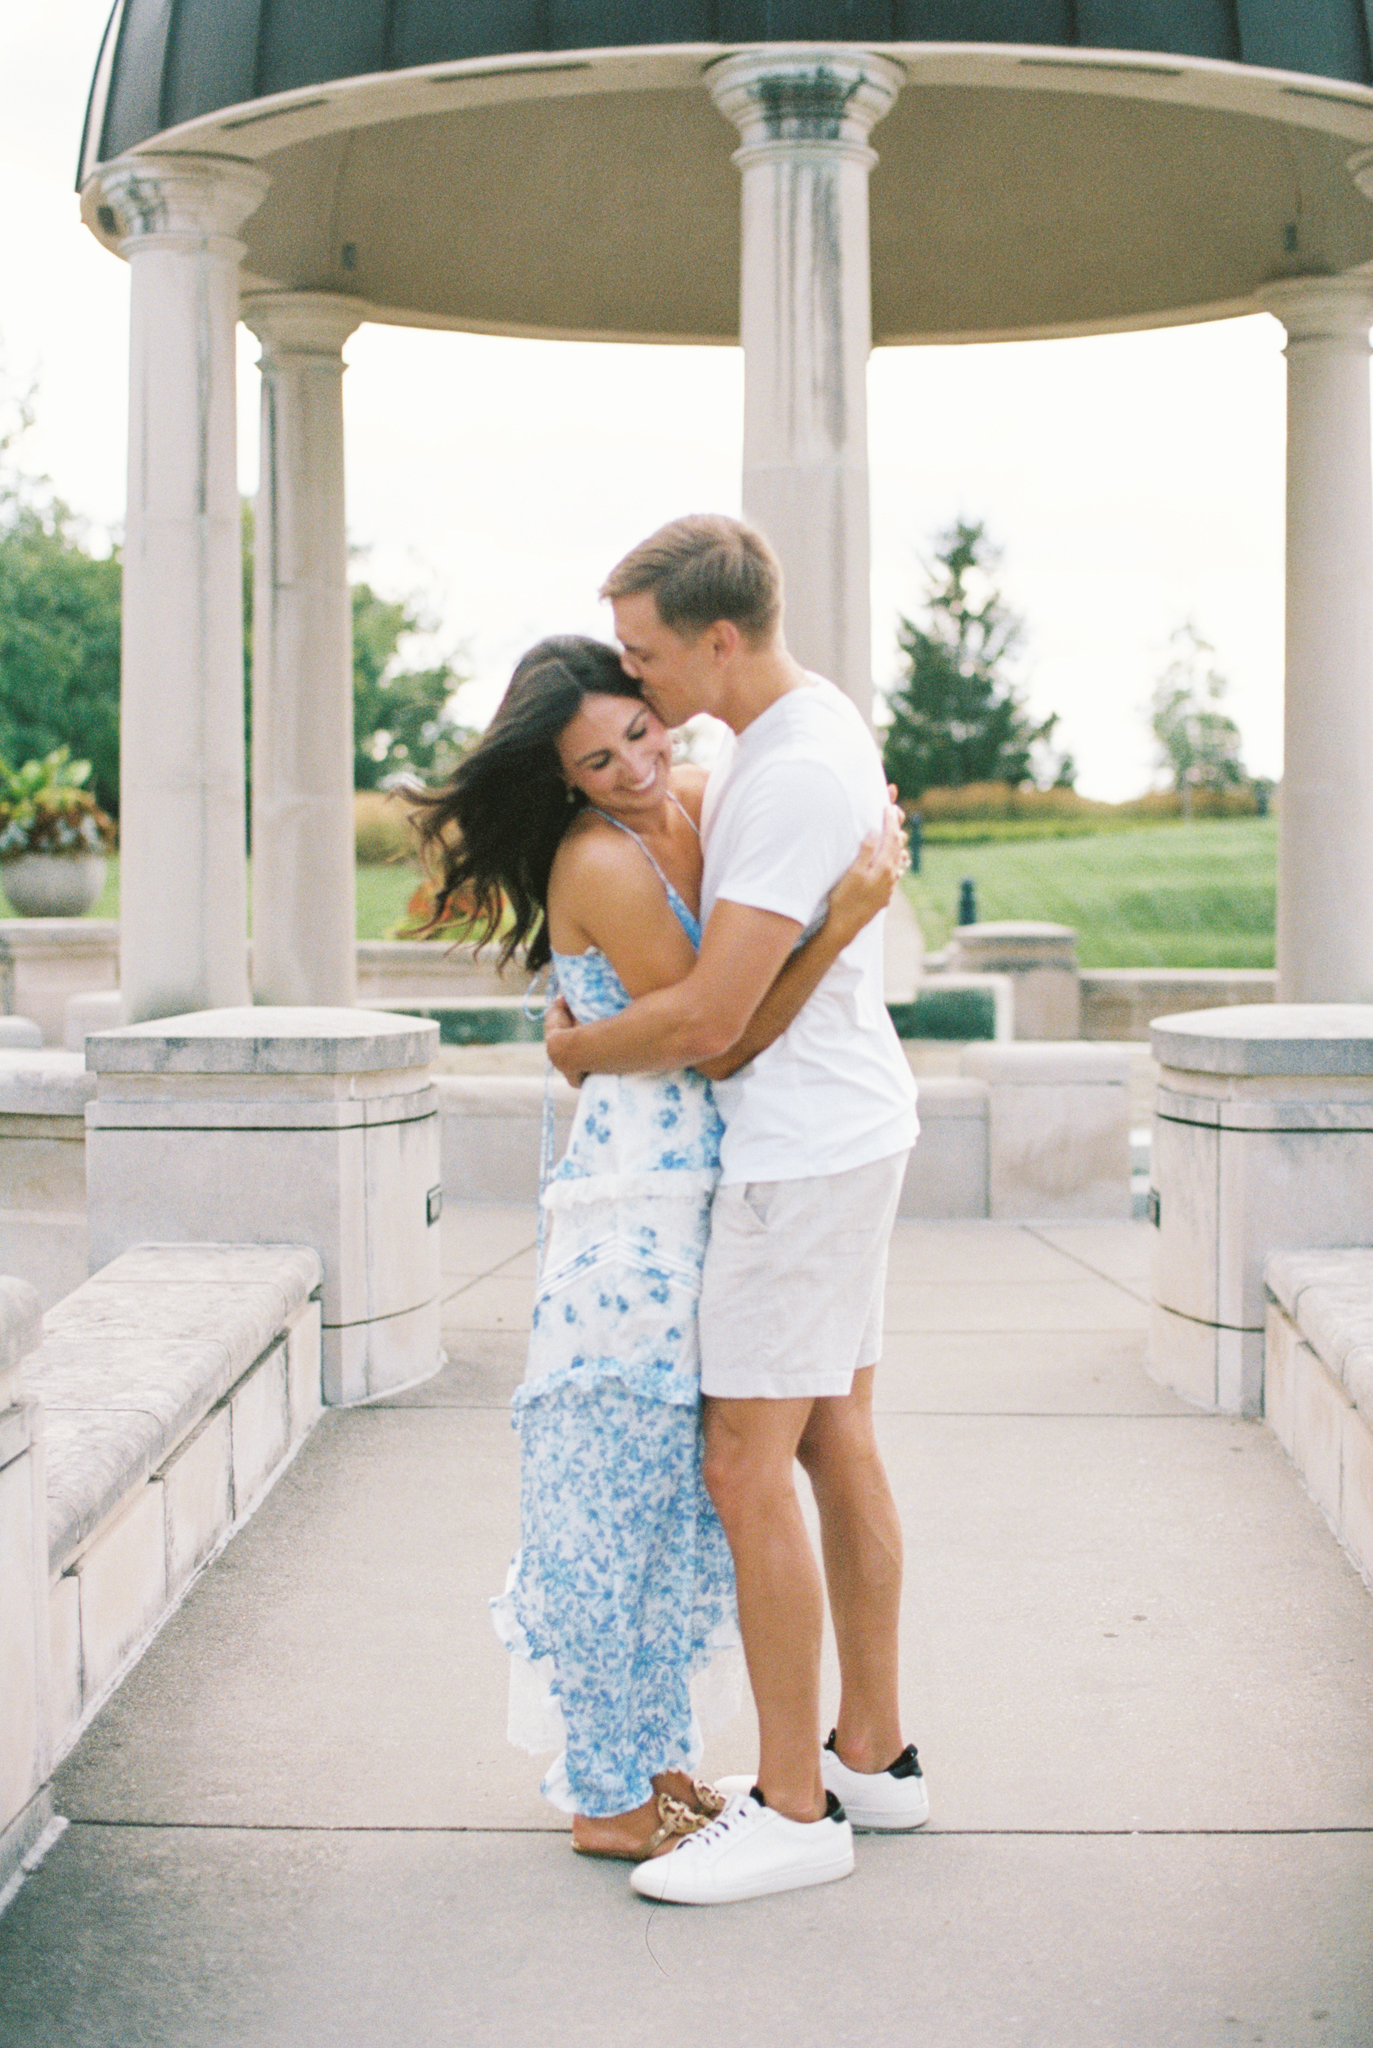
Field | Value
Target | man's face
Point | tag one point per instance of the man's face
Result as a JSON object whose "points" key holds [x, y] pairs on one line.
{"points": [[677, 675]]}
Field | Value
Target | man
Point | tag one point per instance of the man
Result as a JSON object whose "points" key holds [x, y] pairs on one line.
{"points": [[817, 1130]]}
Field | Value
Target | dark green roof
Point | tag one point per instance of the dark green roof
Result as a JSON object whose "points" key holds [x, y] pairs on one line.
{"points": [[175, 60]]}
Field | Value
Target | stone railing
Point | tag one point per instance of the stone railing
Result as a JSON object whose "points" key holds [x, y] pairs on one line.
{"points": [[1318, 1383]]}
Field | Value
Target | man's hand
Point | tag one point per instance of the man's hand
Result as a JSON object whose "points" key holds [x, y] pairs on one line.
{"points": [[867, 887], [558, 1020]]}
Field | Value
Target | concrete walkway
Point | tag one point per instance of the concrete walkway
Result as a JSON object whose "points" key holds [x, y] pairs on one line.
{"points": [[1138, 1667]]}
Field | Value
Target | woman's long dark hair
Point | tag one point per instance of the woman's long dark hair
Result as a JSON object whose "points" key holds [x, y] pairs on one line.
{"points": [[490, 833]]}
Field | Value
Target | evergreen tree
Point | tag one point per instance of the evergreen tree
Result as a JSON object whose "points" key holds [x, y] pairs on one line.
{"points": [[955, 716]]}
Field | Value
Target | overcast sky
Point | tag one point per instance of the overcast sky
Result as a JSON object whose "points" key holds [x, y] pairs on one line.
{"points": [[1133, 482]]}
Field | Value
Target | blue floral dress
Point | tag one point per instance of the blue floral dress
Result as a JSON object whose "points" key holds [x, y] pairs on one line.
{"points": [[622, 1591]]}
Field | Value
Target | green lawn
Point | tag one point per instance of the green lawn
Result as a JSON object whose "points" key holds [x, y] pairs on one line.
{"points": [[1167, 895]]}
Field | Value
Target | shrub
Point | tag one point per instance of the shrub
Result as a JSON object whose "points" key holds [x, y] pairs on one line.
{"points": [[979, 802], [381, 829]]}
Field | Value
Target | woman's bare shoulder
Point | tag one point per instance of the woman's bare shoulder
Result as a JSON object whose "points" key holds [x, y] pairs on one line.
{"points": [[592, 853]]}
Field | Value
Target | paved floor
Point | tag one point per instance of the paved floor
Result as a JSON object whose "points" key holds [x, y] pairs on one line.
{"points": [[1138, 1666]]}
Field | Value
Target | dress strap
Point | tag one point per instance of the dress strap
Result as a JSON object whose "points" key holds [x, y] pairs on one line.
{"points": [[681, 909], [674, 798]]}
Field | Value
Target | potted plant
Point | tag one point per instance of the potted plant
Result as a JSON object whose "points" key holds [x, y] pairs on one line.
{"points": [[53, 837]]}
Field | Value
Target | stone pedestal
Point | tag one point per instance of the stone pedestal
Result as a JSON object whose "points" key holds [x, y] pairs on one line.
{"points": [[805, 312], [25, 1801], [1263, 1141], [305, 1127], [45, 961], [1042, 962], [1058, 1124]]}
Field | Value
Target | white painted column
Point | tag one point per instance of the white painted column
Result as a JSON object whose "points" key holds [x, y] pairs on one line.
{"points": [[1325, 832], [304, 923], [806, 325], [183, 863]]}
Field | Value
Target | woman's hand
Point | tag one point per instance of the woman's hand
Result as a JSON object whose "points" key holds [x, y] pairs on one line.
{"points": [[867, 888], [557, 1019]]}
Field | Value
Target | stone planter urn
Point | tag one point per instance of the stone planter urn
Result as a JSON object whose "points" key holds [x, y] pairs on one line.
{"points": [[53, 884]]}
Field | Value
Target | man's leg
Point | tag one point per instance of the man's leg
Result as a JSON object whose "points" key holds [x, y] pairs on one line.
{"points": [[750, 1453], [861, 1540]]}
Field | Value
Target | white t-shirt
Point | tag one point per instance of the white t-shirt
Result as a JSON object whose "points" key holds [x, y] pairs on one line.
{"points": [[787, 805]]}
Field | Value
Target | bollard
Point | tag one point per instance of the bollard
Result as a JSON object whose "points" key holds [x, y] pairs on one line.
{"points": [[914, 835], [967, 901]]}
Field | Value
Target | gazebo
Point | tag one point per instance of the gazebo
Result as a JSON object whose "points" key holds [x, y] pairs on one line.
{"points": [[807, 176]]}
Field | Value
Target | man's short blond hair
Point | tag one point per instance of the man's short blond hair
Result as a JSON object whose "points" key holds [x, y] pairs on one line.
{"points": [[703, 568]]}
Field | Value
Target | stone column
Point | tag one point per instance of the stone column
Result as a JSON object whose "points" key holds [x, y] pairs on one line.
{"points": [[304, 927], [806, 327], [1325, 843], [183, 872]]}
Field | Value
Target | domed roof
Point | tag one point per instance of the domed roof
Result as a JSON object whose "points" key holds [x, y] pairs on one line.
{"points": [[558, 167], [174, 60]]}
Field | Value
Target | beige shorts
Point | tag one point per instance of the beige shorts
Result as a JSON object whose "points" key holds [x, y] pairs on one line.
{"points": [[791, 1294]]}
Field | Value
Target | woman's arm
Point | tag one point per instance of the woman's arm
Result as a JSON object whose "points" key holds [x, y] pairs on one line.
{"points": [[854, 901]]}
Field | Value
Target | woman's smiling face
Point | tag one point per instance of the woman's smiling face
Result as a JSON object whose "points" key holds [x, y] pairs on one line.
{"points": [[618, 754]]}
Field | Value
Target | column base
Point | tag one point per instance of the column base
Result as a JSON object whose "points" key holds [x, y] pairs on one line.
{"points": [[1214, 1367], [362, 1361]]}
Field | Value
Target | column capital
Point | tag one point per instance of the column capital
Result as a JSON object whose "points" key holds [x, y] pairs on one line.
{"points": [[1336, 309], [805, 102], [180, 202], [302, 323]]}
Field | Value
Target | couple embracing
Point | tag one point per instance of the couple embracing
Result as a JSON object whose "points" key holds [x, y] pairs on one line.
{"points": [[709, 1309]]}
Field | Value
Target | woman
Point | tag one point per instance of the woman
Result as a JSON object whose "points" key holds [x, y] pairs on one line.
{"points": [[568, 832]]}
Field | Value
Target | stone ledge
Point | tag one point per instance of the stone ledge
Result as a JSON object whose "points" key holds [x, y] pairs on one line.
{"points": [[266, 1041], [134, 1359], [46, 1083], [1056, 1063], [1284, 1038], [21, 1322], [1328, 1295], [1325, 1433]]}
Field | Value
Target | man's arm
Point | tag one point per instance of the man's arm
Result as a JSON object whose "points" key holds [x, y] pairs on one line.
{"points": [[854, 901], [695, 1019]]}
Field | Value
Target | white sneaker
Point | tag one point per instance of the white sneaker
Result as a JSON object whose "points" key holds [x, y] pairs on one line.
{"points": [[748, 1852], [887, 1801]]}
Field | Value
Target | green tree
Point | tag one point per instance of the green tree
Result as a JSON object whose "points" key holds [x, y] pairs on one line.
{"points": [[1198, 743], [403, 721], [59, 626], [956, 717]]}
